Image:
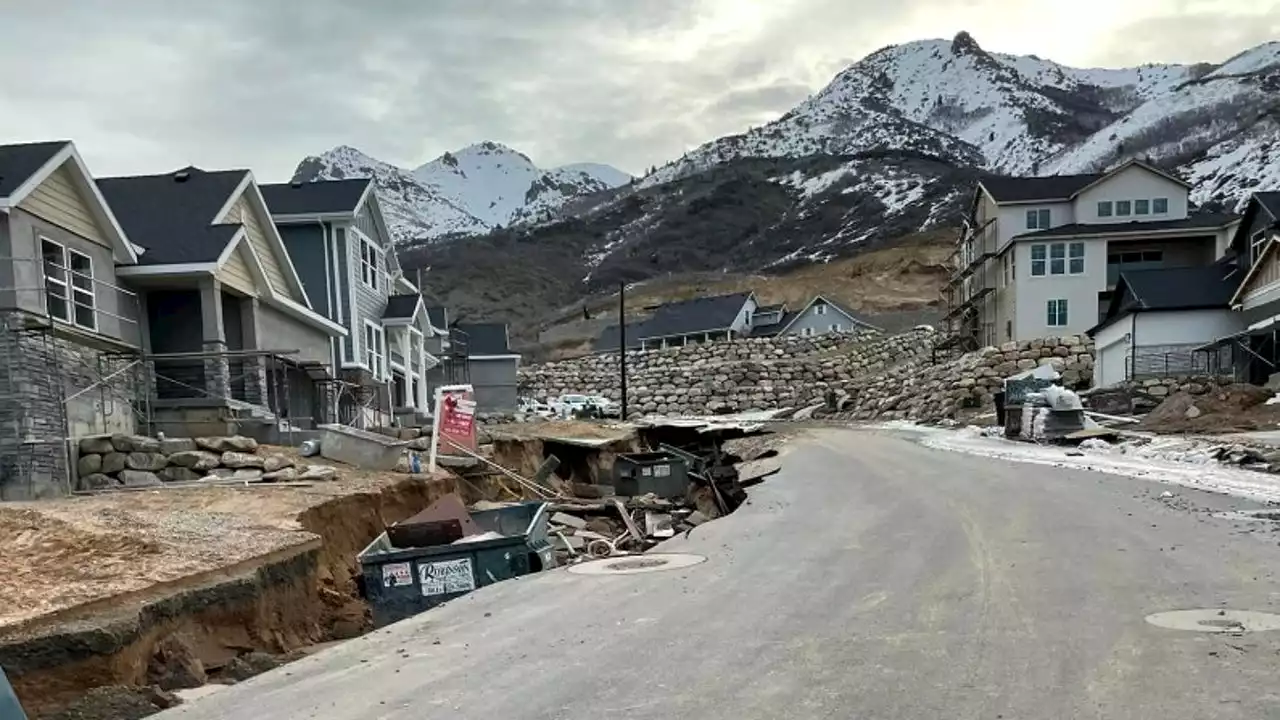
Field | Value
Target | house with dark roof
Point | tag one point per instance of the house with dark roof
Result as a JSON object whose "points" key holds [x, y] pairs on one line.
{"points": [[336, 235], [685, 322], [1253, 354], [492, 366], [70, 334], [229, 323], [821, 316], [1158, 320], [1041, 256]]}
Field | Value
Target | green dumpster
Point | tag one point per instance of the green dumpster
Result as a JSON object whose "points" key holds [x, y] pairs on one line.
{"points": [[661, 473], [401, 582]]}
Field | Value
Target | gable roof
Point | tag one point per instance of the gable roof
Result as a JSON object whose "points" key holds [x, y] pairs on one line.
{"points": [[19, 162], [1004, 189], [24, 167], [485, 338], [171, 215], [439, 316], [1202, 221], [402, 307], [1269, 201], [839, 308], [1193, 288], [686, 317], [774, 329], [321, 197]]}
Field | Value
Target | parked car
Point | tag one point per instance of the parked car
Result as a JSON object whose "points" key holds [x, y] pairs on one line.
{"points": [[567, 406], [607, 407], [530, 406]]}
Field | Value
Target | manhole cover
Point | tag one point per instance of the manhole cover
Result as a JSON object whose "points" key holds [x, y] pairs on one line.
{"points": [[1219, 621], [1269, 514], [636, 564]]}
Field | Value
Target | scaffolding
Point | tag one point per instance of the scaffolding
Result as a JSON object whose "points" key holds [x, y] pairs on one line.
{"points": [[972, 282]]}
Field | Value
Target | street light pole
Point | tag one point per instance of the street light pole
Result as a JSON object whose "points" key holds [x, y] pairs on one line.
{"points": [[622, 344]]}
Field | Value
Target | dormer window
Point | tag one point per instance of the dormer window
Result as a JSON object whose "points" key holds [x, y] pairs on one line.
{"points": [[1038, 219], [819, 309]]}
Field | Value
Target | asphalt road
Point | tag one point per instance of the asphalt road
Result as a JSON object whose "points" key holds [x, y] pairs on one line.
{"points": [[872, 578]]}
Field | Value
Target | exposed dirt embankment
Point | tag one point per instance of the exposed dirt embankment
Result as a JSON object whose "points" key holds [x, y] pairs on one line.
{"points": [[184, 632]]}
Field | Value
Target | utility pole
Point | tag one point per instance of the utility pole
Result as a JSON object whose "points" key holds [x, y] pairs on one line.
{"points": [[622, 345]]}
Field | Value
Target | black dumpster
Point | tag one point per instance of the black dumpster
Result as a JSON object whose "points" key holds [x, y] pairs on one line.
{"points": [[661, 473], [402, 582]]}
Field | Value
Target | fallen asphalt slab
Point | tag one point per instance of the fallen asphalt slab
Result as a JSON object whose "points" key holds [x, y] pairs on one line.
{"points": [[873, 577]]}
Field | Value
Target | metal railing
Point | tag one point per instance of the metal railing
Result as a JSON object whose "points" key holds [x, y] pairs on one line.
{"points": [[1144, 362]]}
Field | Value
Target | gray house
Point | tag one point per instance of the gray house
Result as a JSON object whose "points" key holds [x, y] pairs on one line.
{"points": [[337, 237], [230, 329], [686, 322], [69, 334], [491, 366], [822, 316]]}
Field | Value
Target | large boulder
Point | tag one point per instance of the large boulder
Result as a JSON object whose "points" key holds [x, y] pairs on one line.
{"points": [[113, 462], [276, 462], [236, 460], [169, 446], [96, 446], [234, 443], [88, 464], [196, 459], [149, 461], [176, 473], [135, 443], [139, 478]]}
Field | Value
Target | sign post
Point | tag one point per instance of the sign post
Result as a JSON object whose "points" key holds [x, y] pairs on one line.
{"points": [[454, 420]]}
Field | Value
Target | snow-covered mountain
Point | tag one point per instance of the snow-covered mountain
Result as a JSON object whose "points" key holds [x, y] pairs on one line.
{"points": [[1012, 114], [473, 190]]}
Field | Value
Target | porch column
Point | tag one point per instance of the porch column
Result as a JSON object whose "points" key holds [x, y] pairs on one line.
{"points": [[420, 352], [255, 367], [217, 376]]}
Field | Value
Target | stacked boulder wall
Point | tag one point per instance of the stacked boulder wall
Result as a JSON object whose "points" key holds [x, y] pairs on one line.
{"points": [[876, 376]]}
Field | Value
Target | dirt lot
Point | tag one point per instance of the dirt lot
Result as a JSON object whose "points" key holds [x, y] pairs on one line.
{"points": [[65, 553], [1232, 408]]}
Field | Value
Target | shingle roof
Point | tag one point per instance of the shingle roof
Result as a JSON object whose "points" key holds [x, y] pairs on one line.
{"points": [[172, 218], [770, 308], [1270, 201], [19, 162], [693, 316], [611, 336], [1205, 221], [1026, 189], [439, 316], [485, 338], [321, 196], [772, 329], [1194, 288], [401, 306]]}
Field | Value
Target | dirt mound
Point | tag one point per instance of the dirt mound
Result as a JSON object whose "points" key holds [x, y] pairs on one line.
{"points": [[1231, 408]]}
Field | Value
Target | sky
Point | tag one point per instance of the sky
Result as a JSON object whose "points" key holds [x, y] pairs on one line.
{"points": [[148, 86]]}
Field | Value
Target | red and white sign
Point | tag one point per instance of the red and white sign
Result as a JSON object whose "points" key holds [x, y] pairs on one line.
{"points": [[454, 422]]}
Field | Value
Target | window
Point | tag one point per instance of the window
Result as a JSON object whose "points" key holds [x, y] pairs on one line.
{"points": [[1123, 208], [835, 327], [375, 356], [1037, 260], [1038, 219], [1160, 206], [69, 288], [1104, 208], [807, 332], [1075, 258], [1057, 312], [819, 309], [1058, 259], [1141, 207], [1257, 242], [368, 262]]}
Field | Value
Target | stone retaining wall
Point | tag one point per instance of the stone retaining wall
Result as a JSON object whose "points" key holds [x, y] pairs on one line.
{"points": [[138, 461], [876, 376]]}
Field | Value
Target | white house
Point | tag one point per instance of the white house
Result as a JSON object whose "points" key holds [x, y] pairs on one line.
{"points": [[1040, 256], [1158, 320]]}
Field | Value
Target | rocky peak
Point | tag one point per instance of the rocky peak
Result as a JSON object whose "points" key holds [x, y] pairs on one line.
{"points": [[964, 44]]}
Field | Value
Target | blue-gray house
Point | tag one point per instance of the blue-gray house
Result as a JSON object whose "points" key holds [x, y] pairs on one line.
{"points": [[339, 242]]}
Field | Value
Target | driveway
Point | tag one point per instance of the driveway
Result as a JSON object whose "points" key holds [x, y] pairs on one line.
{"points": [[872, 578]]}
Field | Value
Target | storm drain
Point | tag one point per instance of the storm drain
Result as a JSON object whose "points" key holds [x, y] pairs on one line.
{"points": [[1270, 514], [636, 564], [1216, 621]]}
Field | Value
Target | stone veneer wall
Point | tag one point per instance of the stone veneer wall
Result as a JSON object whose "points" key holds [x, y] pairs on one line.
{"points": [[877, 376]]}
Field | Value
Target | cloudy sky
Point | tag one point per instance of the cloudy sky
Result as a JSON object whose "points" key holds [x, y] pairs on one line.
{"points": [[150, 85]]}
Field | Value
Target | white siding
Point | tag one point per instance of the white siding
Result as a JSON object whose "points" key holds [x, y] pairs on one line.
{"points": [[1080, 292], [1012, 220], [59, 201], [742, 323], [1151, 331], [1133, 183]]}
